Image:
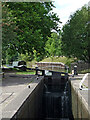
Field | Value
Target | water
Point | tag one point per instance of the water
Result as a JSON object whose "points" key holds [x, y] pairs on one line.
{"points": [[46, 88], [56, 104], [52, 105], [64, 102]]}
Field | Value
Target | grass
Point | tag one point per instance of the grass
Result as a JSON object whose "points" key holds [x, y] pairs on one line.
{"points": [[30, 64], [26, 73], [63, 59], [85, 71], [84, 86]]}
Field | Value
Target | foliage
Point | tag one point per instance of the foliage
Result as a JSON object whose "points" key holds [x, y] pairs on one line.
{"points": [[31, 63], [62, 59], [8, 34], [36, 55], [26, 26], [24, 57], [85, 71], [75, 42], [53, 45]]}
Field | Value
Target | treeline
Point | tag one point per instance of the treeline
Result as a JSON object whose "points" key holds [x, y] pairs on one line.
{"points": [[76, 35], [73, 40], [27, 32]]}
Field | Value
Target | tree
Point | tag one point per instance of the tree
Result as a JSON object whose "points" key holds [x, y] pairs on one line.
{"points": [[8, 34], [53, 45], [34, 22], [75, 40]]}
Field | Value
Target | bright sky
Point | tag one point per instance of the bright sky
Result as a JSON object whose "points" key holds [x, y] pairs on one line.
{"points": [[64, 8]]}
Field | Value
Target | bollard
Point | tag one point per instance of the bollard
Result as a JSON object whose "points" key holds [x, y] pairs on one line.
{"points": [[75, 70], [67, 69], [43, 72], [36, 70], [72, 73]]}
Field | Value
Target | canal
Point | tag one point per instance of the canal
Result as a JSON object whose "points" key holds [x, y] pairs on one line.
{"points": [[47, 97], [56, 97]]}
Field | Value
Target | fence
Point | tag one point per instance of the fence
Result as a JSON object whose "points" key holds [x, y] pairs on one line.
{"points": [[80, 66]]}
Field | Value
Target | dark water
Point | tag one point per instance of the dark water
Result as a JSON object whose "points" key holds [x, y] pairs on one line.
{"points": [[56, 103]]}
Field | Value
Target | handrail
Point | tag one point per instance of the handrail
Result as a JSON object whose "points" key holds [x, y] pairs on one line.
{"points": [[83, 79]]}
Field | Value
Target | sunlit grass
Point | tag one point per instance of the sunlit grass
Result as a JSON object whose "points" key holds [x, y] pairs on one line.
{"points": [[26, 73], [85, 71], [31, 64], [63, 59]]}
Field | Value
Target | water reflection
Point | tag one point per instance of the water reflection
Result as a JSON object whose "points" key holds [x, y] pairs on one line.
{"points": [[56, 103]]}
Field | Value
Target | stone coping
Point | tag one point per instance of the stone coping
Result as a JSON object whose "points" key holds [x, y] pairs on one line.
{"points": [[15, 91], [2, 74], [82, 94], [60, 63]]}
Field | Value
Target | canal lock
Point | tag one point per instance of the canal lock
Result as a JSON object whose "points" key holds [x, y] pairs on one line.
{"points": [[56, 97]]}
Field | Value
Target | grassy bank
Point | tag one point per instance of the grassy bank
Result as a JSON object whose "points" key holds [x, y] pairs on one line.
{"points": [[85, 71], [26, 73], [31, 64], [63, 59]]}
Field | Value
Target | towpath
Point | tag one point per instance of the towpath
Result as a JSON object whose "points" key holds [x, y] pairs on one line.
{"points": [[13, 85]]}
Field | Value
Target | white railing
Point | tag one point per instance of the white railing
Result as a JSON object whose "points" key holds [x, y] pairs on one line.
{"points": [[81, 87]]}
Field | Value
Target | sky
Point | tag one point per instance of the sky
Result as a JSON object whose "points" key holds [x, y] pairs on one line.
{"points": [[64, 8]]}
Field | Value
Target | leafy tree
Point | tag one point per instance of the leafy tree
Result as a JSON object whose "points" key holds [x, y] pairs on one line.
{"points": [[75, 40], [8, 34], [24, 57], [33, 23], [53, 45]]}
